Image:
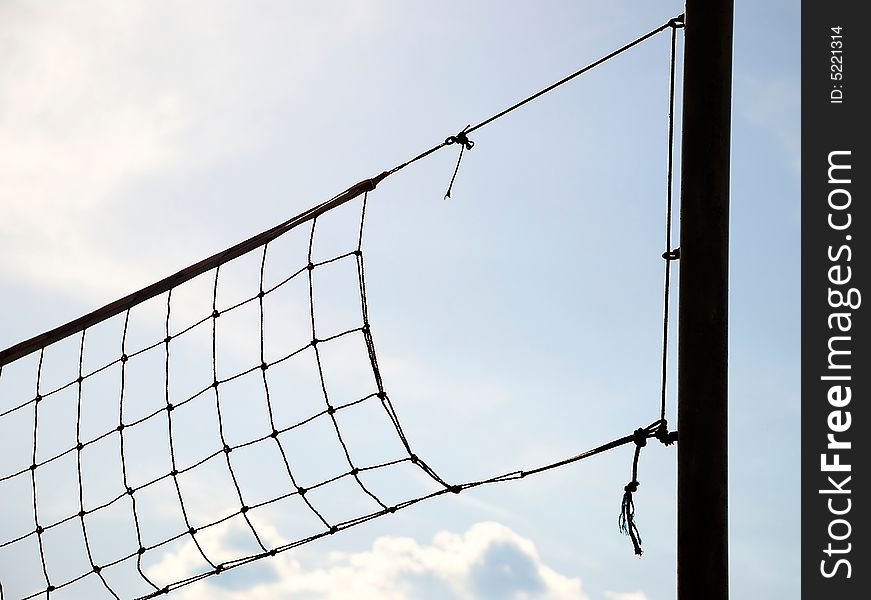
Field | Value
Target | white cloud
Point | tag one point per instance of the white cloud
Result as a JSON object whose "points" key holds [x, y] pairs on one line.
{"points": [[488, 561], [625, 596]]}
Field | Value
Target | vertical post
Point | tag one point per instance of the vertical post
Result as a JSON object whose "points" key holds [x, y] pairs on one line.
{"points": [[702, 538]]}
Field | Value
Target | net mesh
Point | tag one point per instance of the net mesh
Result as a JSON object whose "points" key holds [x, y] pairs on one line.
{"points": [[255, 389]]}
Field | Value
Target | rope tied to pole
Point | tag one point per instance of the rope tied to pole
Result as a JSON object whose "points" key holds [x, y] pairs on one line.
{"points": [[666, 437], [465, 144]]}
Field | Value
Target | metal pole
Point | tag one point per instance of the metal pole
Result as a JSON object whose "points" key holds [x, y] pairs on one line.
{"points": [[702, 532]]}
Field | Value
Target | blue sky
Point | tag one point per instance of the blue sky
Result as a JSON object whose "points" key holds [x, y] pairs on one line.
{"points": [[516, 323]]}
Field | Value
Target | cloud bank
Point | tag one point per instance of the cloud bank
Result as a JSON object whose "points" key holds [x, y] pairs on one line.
{"points": [[487, 562]]}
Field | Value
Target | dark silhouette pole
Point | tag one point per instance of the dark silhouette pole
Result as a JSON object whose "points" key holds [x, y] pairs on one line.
{"points": [[702, 532]]}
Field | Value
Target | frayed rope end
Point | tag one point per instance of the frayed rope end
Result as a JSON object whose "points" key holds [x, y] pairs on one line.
{"points": [[626, 521]]}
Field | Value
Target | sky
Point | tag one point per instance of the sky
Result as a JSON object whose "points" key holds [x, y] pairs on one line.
{"points": [[516, 323]]}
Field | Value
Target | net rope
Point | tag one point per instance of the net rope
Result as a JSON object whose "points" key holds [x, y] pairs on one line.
{"points": [[354, 472]]}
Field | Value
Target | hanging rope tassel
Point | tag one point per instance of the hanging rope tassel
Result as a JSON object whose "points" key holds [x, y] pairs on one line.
{"points": [[626, 520], [465, 144]]}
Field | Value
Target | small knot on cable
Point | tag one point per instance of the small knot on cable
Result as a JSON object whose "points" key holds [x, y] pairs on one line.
{"points": [[678, 22], [639, 436], [671, 254], [465, 144], [461, 138], [631, 487]]}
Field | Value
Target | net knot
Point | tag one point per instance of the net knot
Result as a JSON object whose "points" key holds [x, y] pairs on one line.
{"points": [[670, 255], [631, 487]]}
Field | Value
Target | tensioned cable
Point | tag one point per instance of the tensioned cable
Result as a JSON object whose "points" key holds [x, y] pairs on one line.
{"points": [[639, 434], [626, 521], [462, 139], [669, 254]]}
